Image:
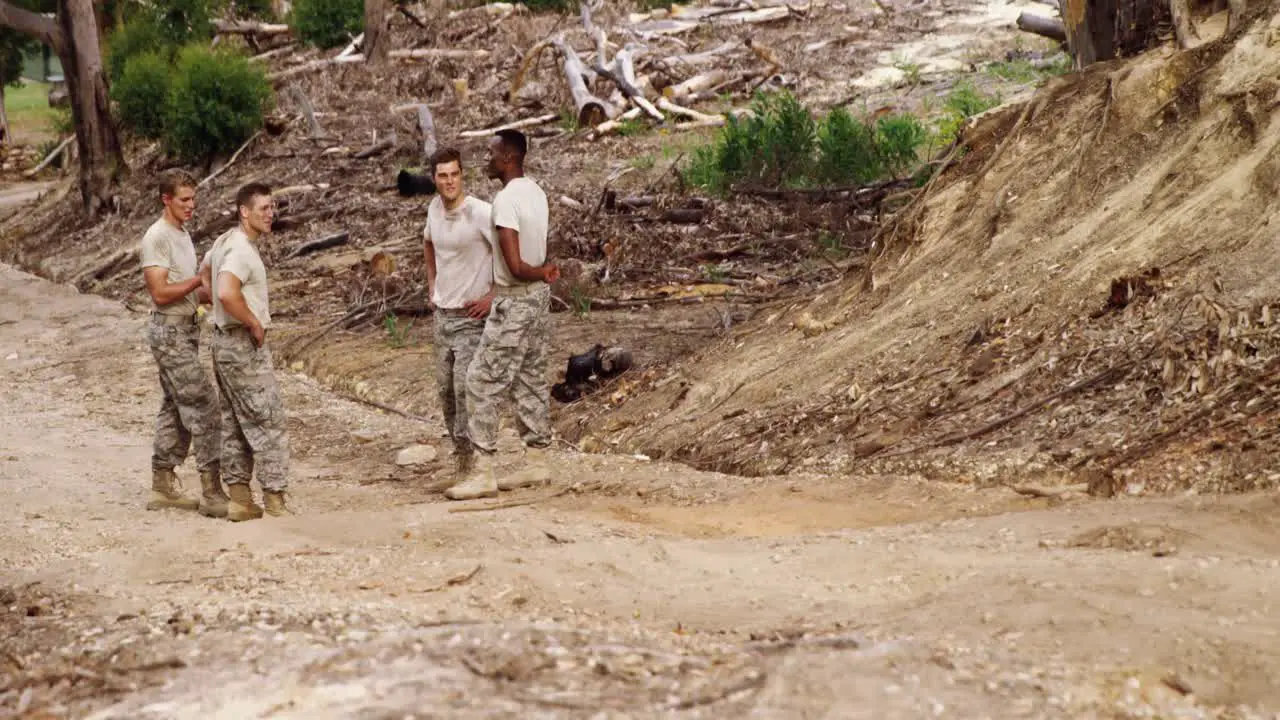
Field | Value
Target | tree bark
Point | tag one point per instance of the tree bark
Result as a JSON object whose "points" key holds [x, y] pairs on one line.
{"points": [[375, 32], [1104, 29], [1184, 30], [101, 160]]}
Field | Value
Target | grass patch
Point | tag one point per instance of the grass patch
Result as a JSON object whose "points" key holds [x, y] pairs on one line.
{"points": [[964, 102], [1025, 72], [30, 118]]}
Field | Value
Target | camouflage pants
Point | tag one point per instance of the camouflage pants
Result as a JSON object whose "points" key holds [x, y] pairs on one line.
{"points": [[253, 418], [512, 361], [189, 411], [457, 337]]}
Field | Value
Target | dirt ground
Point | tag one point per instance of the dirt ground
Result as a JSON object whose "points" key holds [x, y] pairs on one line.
{"points": [[644, 590]]}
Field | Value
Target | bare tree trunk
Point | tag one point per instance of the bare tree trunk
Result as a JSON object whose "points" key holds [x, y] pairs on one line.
{"points": [[1235, 14], [375, 31], [1100, 30], [1184, 30], [5, 137], [101, 161]]}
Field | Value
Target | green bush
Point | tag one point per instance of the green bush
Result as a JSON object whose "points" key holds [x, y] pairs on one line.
{"points": [[552, 5], [847, 150], [260, 9], [963, 103], [143, 92], [782, 145], [140, 35], [327, 23], [217, 101]]}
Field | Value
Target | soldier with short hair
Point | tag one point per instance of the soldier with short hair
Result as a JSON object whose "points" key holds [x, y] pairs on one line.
{"points": [[189, 412], [458, 247], [254, 435]]}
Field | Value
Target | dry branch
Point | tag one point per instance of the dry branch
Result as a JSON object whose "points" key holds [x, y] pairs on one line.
{"points": [[383, 145], [668, 106], [234, 157], [323, 243], [282, 50], [438, 54], [511, 503], [1040, 492], [696, 84], [53, 155], [516, 125], [246, 27], [609, 126], [706, 57]]}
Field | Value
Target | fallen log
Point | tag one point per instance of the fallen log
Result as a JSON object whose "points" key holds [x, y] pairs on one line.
{"points": [[323, 243], [247, 27], [310, 67], [350, 49], [686, 216], [590, 110], [438, 54], [516, 125], [624, 76], [277, 52], [706, 57], [696, 84], [668, 106], [1043, 26]]}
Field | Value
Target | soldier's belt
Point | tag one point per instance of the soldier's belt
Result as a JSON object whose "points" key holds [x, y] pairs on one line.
{"points": [[518, 290], [163, 319]]}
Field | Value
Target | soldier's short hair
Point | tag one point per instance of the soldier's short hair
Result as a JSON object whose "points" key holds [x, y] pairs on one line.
{"points": [[515, 140], [246, 194], [172, 179], [444, 156]]}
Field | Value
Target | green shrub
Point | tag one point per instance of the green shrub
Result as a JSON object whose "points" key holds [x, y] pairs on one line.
{"points": [[898, 142], [261, 9], [847, 150], [963, 103], [782, 145], [217, 101], [327, 23], [142, 93], [552, 5], [140, 35]]}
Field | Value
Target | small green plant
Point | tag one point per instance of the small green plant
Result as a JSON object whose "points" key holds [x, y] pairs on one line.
{"points": [[830, 242], [715, 273], [1025, 72], [847, 150], [568, 121], [898, 140], [397, 334], [63, 122], [142, 93], [963, 103], [581, 302], [631, 127], [327, 23], [184, 21], [261, 9], [911, 72], [217, 101]]}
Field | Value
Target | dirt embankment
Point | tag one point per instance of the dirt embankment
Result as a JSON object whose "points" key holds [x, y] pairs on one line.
{"points": [[1089, 294]]}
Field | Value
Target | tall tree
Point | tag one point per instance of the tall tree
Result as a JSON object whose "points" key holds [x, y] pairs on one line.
{"points": [[73, 34], [375, 31]]}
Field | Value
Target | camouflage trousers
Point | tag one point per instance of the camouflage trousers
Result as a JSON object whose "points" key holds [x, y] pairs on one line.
{"points": [[253, 417], [189, 412], [457, 337], [512, 362]]}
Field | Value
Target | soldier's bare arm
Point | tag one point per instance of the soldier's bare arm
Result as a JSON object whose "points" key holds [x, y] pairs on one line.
{"points": [[233, 303], [509, 241], [206, 283], [165, 292]]}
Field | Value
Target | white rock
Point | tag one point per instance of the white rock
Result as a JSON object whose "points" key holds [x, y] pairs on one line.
{"points": [[416, 455]]}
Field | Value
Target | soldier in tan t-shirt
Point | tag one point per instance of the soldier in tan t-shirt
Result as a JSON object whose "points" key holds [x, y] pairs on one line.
{"points": [[254, 437], [189, 412], [457, 241]]}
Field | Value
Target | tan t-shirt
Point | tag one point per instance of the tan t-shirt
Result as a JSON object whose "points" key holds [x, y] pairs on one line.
{"points": [[521, 206], [166, 246], [233, 252], [463, 242]]}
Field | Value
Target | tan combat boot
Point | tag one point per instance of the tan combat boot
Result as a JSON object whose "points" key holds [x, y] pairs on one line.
{"points": [[166, 492], [241, 506], [535, 470], [479, 483], [274, 504], [213, 500]]}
